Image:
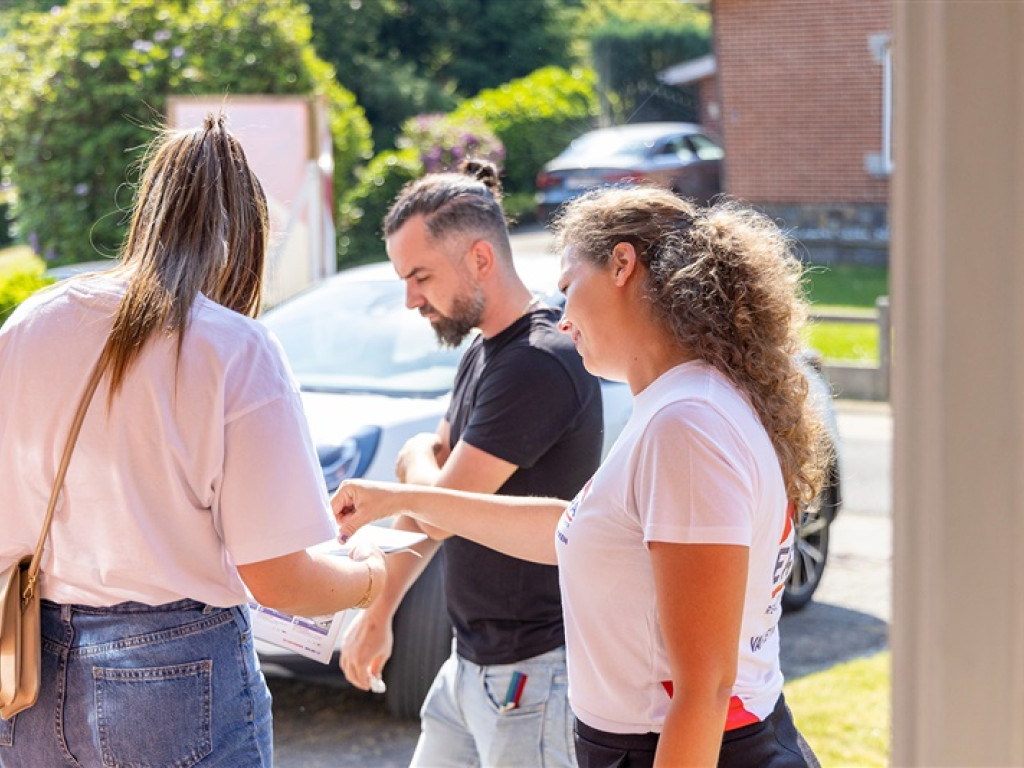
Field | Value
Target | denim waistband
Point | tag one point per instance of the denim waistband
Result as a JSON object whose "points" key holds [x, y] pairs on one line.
{"points": [[130, 607]]}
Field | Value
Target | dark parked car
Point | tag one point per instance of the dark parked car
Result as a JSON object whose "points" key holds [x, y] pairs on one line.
{"points": [[674, 155]]}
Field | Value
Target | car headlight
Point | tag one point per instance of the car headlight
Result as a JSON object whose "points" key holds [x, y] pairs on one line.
{"points": [[349, 458]]}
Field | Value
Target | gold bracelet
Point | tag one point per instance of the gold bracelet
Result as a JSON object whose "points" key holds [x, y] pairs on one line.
{"points": [[366, 598]]}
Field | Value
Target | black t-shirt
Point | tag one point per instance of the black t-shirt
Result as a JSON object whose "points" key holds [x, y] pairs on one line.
{"points": [[525, 397]]}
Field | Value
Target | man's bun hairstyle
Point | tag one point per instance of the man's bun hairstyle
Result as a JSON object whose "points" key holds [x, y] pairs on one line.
{"points": [[483, 171]]}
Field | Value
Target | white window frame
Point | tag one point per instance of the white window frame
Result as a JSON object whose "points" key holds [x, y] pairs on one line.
{"points": [[880, 163]]}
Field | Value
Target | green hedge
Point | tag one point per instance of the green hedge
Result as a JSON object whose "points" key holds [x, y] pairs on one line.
{"points": [[82, 85], [536, 117], [628, 58], [360, 236], [21, 275]]}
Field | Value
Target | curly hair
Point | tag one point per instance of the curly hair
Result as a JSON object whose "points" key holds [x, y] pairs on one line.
{"points": [[724, 281]]}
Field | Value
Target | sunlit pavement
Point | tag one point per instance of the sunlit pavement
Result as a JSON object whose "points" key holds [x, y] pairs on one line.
{"points": [[850, 614]]}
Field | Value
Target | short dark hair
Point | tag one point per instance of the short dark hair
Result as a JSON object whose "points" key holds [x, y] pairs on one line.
{"points": [[468, 201]]}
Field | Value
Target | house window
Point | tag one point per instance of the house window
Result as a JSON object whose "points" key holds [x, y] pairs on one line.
{"points": [[880, 163]]}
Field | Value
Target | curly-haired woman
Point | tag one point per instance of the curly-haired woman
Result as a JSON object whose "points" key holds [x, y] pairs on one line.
{"points": [[674, 556]]}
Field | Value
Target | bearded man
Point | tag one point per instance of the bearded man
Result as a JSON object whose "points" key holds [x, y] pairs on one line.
{"points": [[525, 418]]}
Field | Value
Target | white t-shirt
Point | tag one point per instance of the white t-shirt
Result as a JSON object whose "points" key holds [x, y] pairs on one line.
{"points": [[200, 464], [692, 466]]}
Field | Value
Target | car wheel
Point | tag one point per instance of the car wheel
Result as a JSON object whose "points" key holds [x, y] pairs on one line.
{"points": [[423, 640], [811, 553]]}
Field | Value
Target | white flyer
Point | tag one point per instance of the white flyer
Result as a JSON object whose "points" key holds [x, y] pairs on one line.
{"points": [[316, 637]]}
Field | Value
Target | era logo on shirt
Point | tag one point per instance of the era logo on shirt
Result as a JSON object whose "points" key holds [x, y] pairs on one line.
{"points": [[784, 557], [570, 513], [783, 565]]}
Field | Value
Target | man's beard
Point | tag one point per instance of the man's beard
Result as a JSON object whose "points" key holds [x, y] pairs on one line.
{"points": [[465, 315]]}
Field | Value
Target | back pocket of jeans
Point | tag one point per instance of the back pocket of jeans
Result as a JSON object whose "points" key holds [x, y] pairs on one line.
{"points": [[7, 731], [154, 716]]}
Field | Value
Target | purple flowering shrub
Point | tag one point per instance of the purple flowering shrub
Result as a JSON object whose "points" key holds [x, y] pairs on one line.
{"points": [[443, 142]]}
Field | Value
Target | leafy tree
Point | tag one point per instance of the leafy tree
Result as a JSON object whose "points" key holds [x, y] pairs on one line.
{"points": [[85, 82], [630, 83], [386, 81], [403, 57], [535, 117], [480, 44], [11, 8], [360, 231], [6, 216], [628, 58], [391, 91], [590, 15]]}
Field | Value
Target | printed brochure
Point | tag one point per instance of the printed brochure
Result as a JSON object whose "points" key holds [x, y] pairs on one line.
{"points": [[317, 636]]}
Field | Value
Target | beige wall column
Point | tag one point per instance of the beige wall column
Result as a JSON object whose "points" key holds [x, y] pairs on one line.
{"points": [[958, 384]]}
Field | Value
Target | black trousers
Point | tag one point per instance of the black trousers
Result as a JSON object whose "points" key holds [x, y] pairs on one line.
{"points": [[773, 743]]}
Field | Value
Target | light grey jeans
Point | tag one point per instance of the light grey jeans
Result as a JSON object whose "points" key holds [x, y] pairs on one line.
{"points": [[464, 722]]}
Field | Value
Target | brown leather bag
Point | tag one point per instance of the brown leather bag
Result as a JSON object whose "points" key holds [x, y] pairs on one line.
{"points": [[20, 631]]}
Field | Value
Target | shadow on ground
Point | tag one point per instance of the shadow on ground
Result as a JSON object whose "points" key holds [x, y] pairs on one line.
{"points": [[823, 635], [318, 725]]}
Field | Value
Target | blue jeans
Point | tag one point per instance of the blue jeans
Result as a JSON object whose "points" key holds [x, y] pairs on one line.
{"points": [[463, 722], [139, 685]]}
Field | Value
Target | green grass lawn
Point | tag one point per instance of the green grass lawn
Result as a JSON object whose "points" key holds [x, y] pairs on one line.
{"points": [[846, 342], [845, 288], [844, 712], [846, 285]]}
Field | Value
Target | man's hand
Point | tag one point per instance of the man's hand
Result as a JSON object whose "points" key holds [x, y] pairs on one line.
{"points": [[420, 459], [365, 648]]}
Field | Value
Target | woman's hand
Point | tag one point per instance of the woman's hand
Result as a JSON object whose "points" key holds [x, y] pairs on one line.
{"points": [[359, 502], [373, 557]]}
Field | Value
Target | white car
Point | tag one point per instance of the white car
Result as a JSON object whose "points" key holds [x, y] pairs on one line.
{"points": [[372, 376]]}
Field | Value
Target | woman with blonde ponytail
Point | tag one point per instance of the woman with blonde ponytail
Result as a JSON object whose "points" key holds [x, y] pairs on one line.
{"points": [[674, 557], [194, 483]]}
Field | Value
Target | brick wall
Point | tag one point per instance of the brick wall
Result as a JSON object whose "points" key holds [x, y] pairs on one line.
{"points": [[710, 108], [800, 93]]}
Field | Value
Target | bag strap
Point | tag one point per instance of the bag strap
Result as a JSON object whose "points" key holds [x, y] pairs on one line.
{"points": [[76, 427]]}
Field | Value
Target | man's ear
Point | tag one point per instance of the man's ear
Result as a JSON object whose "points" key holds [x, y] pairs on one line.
{"points": [[623, 263], [481, 258]]}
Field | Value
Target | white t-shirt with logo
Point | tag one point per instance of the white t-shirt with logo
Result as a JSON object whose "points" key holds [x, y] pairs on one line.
{"points": [[693, 466], [201, 463]]}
